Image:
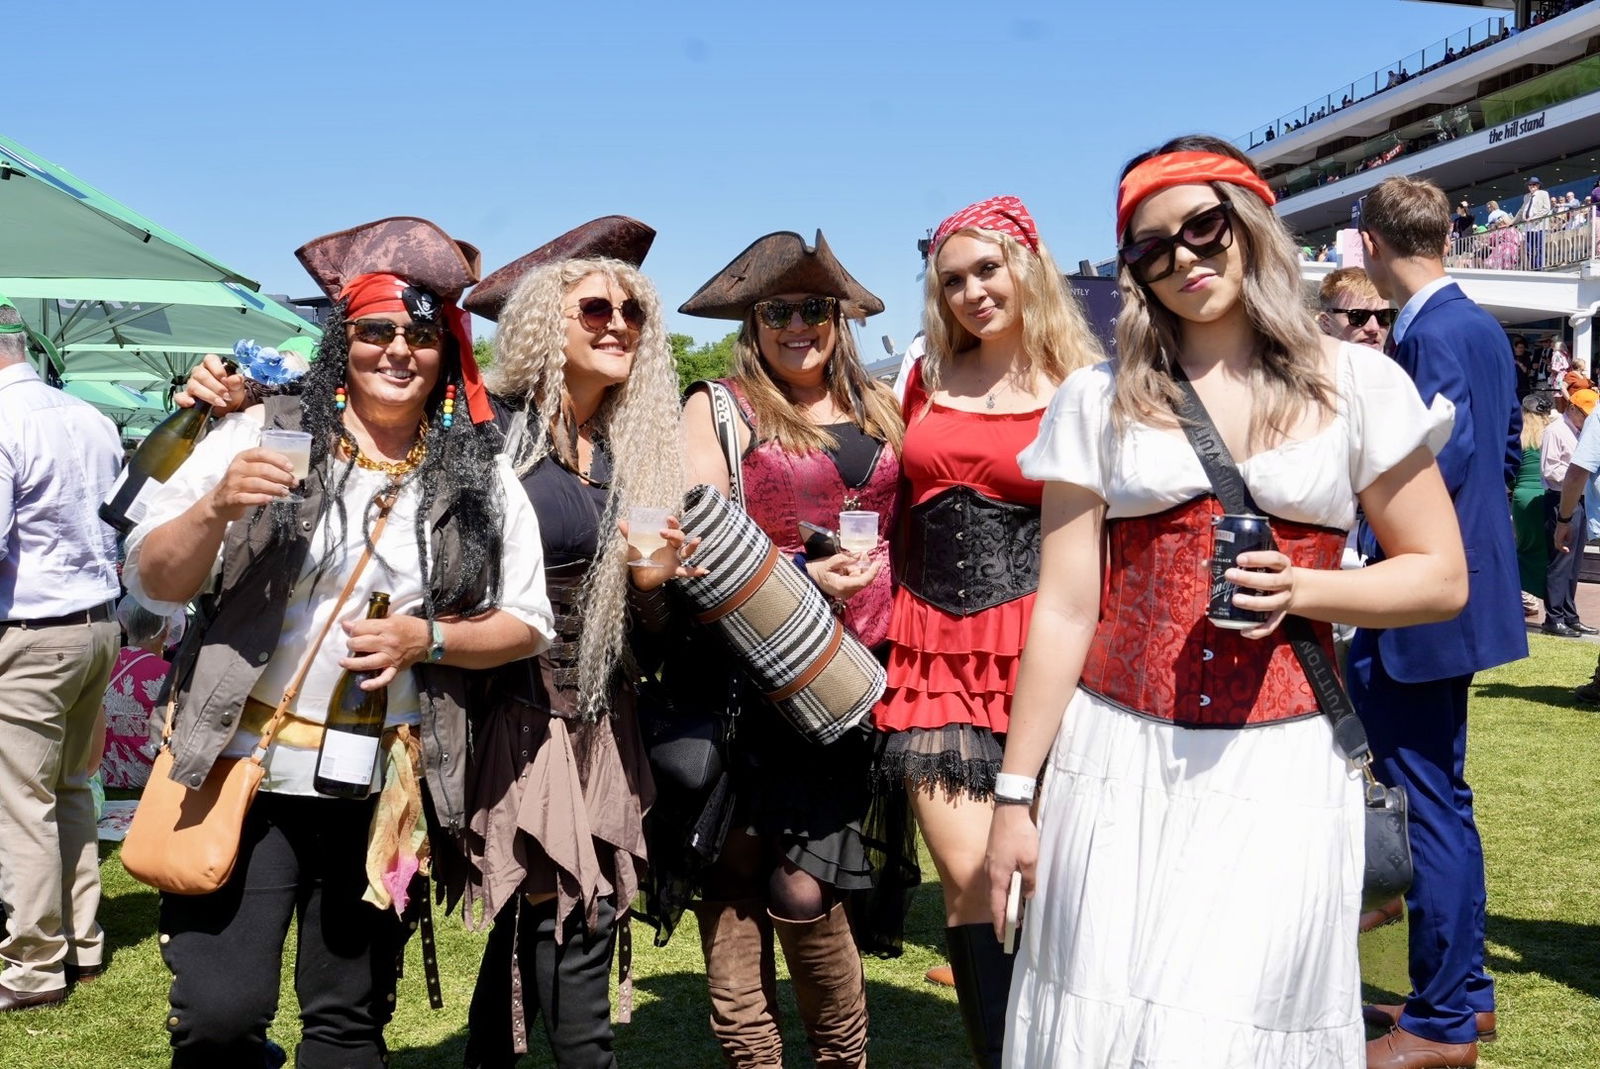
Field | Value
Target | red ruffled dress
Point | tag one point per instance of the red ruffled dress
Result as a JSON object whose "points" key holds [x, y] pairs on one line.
{"points": [[951, 677]]}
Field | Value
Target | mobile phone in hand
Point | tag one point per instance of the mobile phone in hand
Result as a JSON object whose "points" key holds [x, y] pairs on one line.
{"points": [[819, 542], [1013, 913]]}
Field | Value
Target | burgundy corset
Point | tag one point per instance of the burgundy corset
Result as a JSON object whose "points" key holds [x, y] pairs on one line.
{"points": [[783, 488], [1155, 653]]}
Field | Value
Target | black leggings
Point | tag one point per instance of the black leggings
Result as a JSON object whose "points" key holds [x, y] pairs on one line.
{"points": [[301, 857]]}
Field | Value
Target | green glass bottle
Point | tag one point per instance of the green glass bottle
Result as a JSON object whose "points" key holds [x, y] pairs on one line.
{"points": [[349, 752]]}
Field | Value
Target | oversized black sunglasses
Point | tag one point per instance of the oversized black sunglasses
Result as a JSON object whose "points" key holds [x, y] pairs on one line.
{"points": [[1358, 316], [421, 335], [595, 313], [814, 311], [1205, 235]]}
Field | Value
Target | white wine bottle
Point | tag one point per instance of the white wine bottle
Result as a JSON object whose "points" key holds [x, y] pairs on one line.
{"points": [[349, 751], [161, 453]]}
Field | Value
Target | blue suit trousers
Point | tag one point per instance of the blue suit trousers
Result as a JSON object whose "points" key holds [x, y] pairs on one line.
{"points": [[1418, 733]]}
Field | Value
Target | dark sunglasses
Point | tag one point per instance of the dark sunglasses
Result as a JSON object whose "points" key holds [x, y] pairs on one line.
{"points": [[1358, 316], [596, 312], [814, 311], [381, 332], [1153, 259]]}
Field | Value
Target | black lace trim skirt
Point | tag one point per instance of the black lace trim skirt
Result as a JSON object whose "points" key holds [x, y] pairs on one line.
{"points": [[954, 758]]}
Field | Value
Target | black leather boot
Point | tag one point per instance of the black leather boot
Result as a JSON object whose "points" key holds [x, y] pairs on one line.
{"points": [[983, 985]]}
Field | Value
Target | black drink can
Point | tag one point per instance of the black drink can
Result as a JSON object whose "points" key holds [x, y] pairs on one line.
{"points": [[1231, 535]]}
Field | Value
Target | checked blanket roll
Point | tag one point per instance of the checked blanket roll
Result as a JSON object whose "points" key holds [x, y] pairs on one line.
{"points": [[795, 650]]}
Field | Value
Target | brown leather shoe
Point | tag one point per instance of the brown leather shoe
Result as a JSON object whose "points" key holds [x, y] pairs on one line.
{"points": [[1386, 1017], [1388, 913], [941, 975], [27, 1000], [1399, 1049]]}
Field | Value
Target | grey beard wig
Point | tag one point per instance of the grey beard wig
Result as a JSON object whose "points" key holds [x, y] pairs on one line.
{"points": [[460, 470]]}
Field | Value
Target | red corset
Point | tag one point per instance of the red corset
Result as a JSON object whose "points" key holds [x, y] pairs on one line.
{"points": [[1156, 654]]}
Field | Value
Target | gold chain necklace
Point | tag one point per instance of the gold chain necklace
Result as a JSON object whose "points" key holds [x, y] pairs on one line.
{"points": [[395, 469]]}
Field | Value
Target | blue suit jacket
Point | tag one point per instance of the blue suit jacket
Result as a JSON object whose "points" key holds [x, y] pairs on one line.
{"points": [[1455, 348]]}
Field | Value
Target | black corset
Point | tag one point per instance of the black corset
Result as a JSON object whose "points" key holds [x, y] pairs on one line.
{"points": [[550, 680], [966, 552]]}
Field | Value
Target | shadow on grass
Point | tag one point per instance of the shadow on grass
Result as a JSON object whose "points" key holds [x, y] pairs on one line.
{"points": [[1563, 951], [128, 917], [1540, 693], [670, 1028]]}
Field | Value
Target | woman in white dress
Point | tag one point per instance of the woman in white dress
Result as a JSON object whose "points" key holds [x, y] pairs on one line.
{"points": [[1195, 871]]}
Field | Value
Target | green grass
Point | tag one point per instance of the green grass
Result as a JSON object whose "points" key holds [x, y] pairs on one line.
{"points": [[1535, 761]]}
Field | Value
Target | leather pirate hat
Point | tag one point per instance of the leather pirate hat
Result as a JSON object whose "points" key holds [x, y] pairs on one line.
{"points": [[780, 263], [614, 236], [404, 245]]}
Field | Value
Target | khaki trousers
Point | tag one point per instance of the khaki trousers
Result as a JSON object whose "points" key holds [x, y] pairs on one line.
{"points": [[51, 683]]}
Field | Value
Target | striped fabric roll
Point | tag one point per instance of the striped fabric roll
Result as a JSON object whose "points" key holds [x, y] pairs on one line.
{"points": [[796, 651]]}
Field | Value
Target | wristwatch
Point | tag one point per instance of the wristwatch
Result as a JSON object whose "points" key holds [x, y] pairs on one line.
{"points": [[436, 650], [1564, 519]]}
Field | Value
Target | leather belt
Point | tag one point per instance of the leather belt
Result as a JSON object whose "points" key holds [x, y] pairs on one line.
{"points": [[72, 619], [966, 552]]}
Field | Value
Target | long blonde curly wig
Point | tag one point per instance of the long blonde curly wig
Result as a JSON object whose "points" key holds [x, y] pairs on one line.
{"points": [[1055, 332], [638, 419], [1286, 374]]}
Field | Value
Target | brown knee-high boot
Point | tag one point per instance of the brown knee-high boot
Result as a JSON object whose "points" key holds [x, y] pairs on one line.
{"points": [[828, 986], [742, 978]]}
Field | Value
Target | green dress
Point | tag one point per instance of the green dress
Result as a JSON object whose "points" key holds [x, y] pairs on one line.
{"points": [[1527, 516]]}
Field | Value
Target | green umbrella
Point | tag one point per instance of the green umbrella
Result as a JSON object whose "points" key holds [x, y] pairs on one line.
{"points": [[55, 225], [130, 409], [118, 297], [145, 331]]}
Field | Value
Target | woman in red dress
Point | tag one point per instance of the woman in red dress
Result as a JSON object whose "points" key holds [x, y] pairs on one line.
{"points": [[1002, 333]]}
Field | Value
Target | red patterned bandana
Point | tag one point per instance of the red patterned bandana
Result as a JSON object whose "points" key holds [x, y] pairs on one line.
{"points": [[1006, 214], [1183, 169], [378, 292]]}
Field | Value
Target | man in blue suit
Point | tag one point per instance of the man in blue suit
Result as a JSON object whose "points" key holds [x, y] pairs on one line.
{"points": [[1410, 683]]}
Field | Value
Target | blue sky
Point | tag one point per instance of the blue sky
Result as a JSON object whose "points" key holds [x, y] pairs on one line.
{"points": [[251, 128]]}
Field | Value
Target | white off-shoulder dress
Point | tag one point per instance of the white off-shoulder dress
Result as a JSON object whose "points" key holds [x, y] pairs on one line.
{"points": [[1198, 889]]}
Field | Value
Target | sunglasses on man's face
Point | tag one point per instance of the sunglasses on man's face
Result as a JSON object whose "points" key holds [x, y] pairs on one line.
{"points": [[382, 332], [595, 313], [1205, 235], [1358, 316], [814, 311]]}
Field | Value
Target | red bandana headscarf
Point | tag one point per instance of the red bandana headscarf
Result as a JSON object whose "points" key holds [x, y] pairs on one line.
{"points": [[378, 292], [1006, 214], [1183, 169]]}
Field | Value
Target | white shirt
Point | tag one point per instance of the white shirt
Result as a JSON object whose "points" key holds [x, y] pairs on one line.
{"points": [[1402, 322], [396, 569], [58, 459], [1555, 452]]}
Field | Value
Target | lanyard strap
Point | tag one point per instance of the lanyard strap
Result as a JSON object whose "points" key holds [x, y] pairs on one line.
{"points": [[1230, 488]]}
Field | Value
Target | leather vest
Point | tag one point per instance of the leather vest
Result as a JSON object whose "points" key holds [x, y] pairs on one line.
{"points": [[240, 622], [966, 552], [1154, 652]]}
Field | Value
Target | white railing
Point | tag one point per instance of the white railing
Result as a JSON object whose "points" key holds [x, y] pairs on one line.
{"points": [[1556, 242]]}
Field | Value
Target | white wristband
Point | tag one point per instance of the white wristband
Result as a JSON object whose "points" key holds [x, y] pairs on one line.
{"points": [[1010, 787]]}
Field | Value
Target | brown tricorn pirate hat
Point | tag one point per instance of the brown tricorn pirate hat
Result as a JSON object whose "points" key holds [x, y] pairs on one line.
{"points": [[404, 245], [780, 263], [615, 236]]}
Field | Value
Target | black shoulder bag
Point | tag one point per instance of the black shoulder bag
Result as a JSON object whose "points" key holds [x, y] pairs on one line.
{"points": [[1388, 865]]}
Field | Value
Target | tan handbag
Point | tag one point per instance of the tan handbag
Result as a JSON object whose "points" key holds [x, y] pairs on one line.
{"points": [[185, 842]]}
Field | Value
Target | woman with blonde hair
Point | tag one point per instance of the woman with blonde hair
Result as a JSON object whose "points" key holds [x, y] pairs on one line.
{"points": [[1195, 872], [559, 783], [1002, 333], [817, 437], [1527, 503]]}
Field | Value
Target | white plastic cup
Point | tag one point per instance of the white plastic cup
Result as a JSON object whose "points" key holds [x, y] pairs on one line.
{"points": [[858, 532], [296, 445], [644, 533]]}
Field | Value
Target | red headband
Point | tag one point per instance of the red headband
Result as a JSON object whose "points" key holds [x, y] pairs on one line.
{"points": [[1182, 169], [1006, 214], [379, 292]]}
